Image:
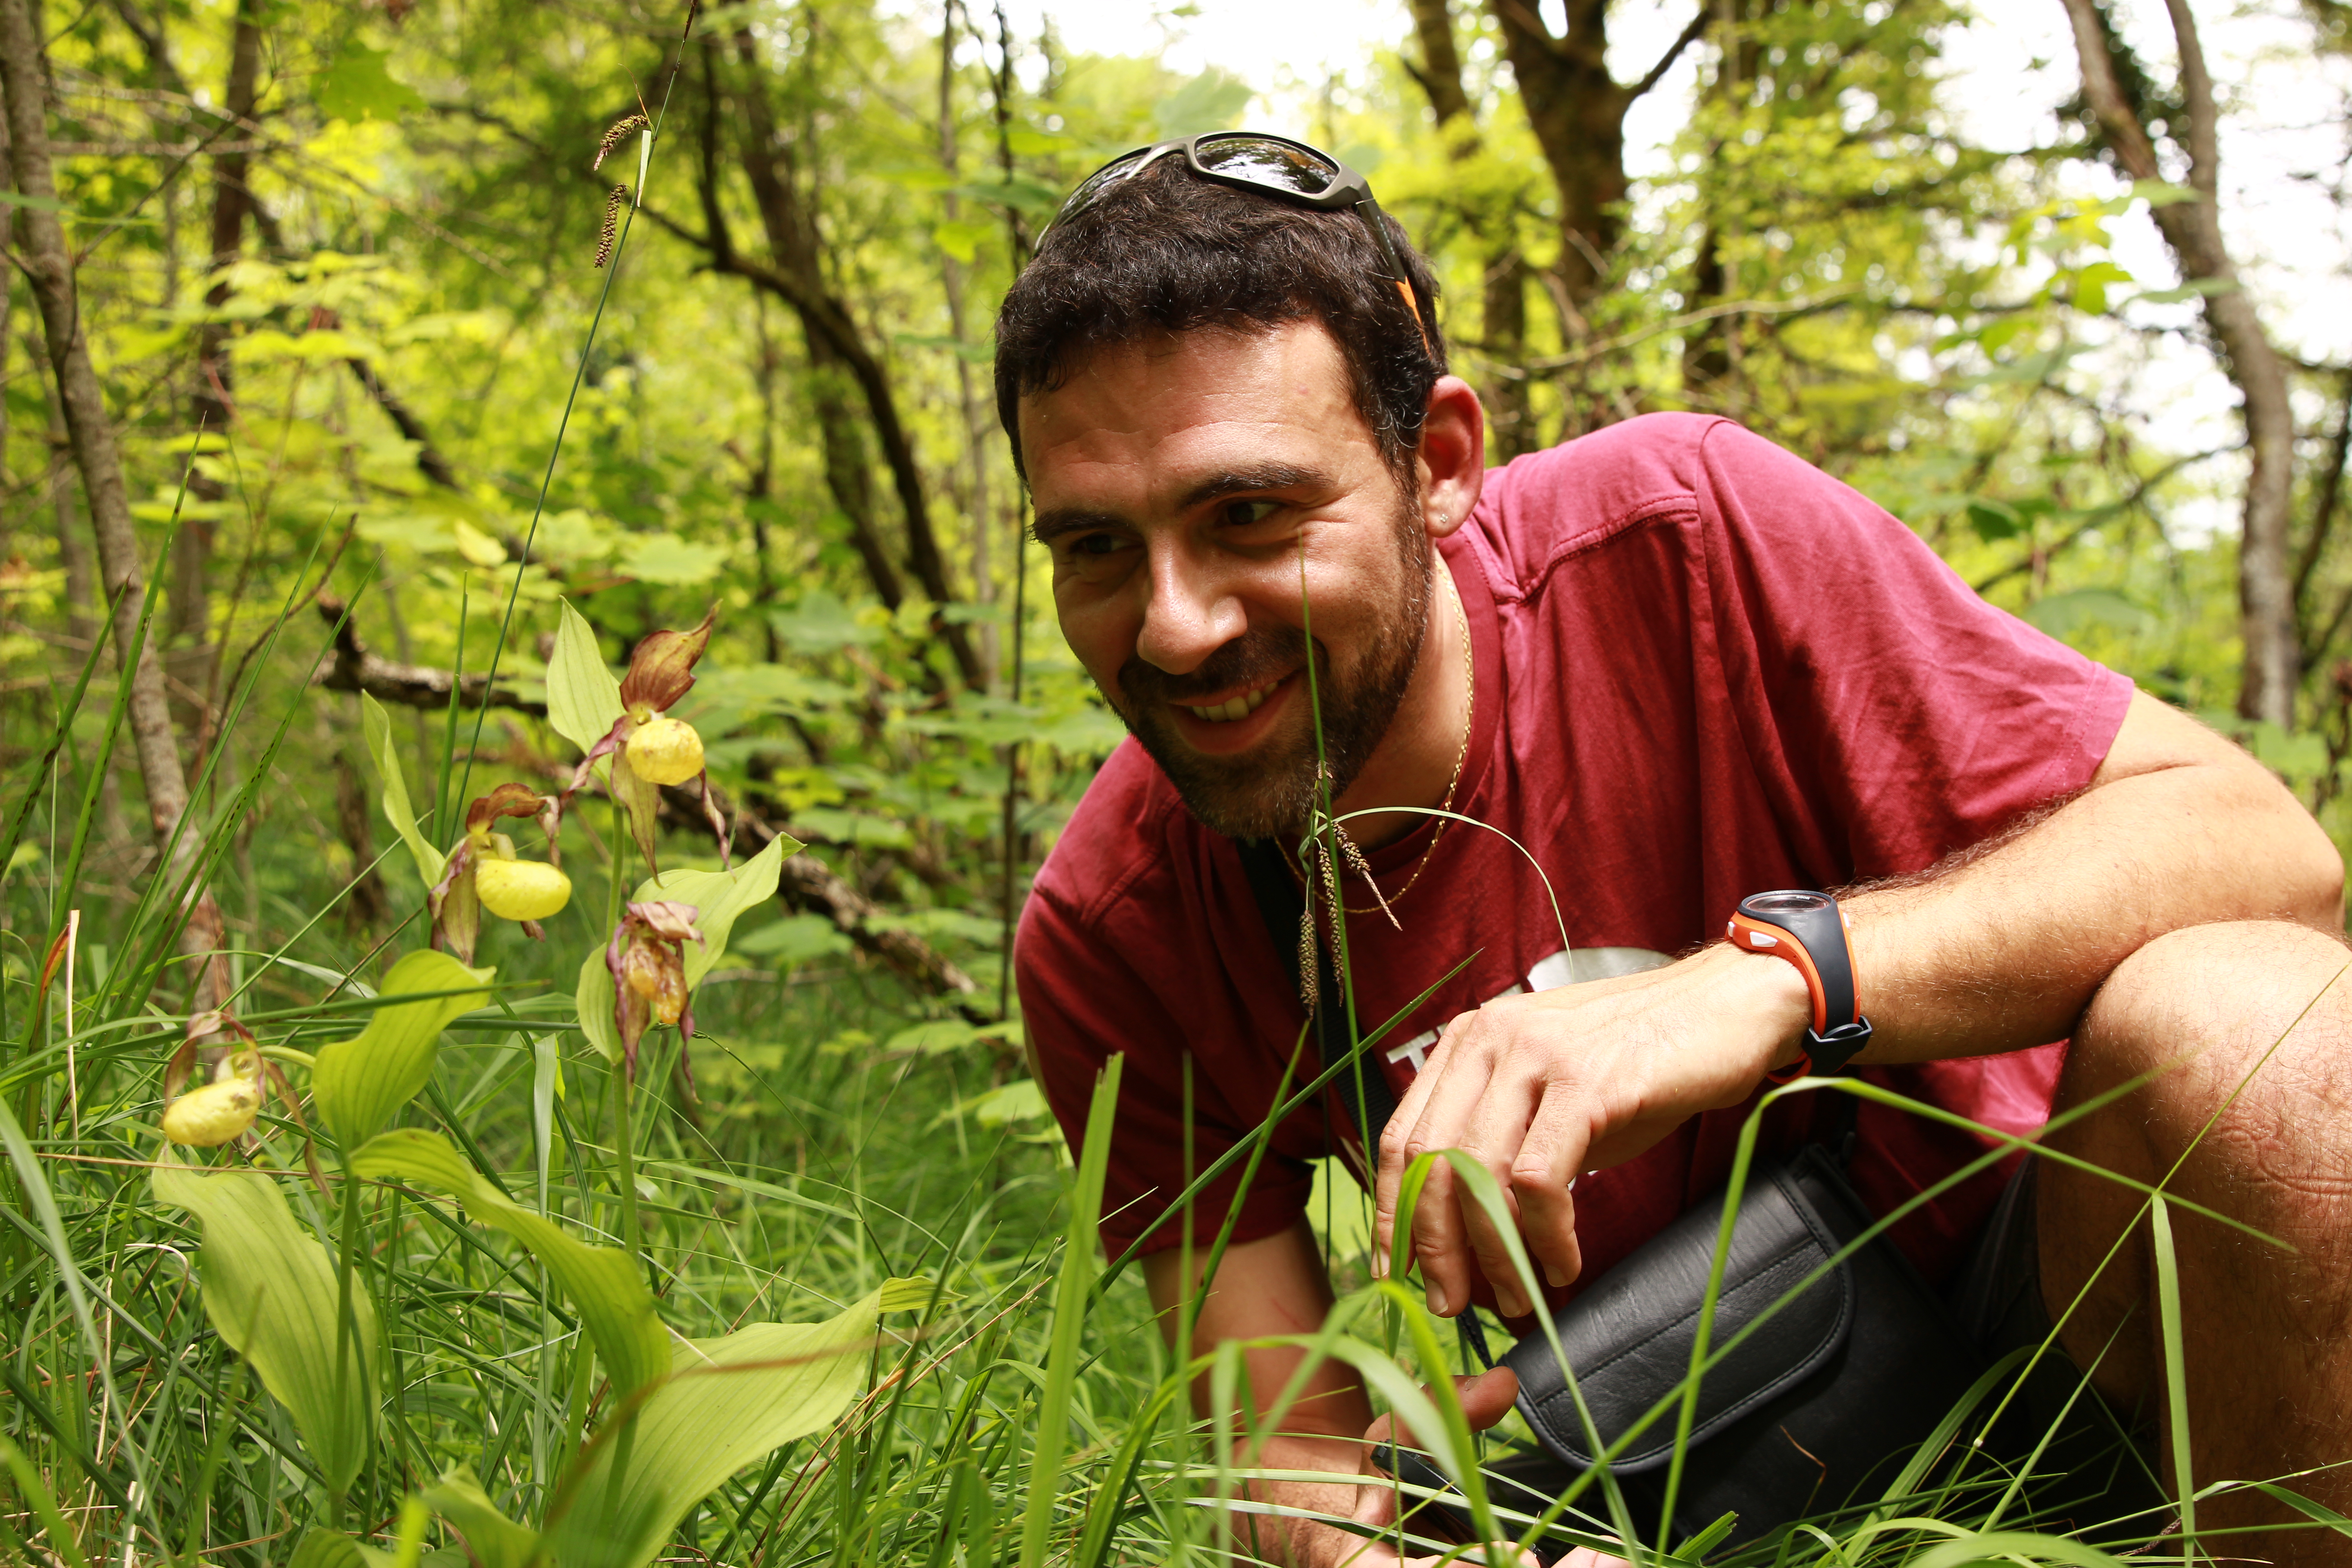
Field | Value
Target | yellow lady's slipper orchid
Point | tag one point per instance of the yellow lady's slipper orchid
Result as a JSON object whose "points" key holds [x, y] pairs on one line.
{"points": [[650, 749], [520, 889], [482, 872], [209, 1117], [666, 751]]}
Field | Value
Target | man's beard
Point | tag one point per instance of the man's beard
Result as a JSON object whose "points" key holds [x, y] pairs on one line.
{"points": [[1271, 792]]}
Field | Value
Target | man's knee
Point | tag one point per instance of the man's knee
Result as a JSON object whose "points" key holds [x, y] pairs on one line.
{"points": [[2243, 1014]]}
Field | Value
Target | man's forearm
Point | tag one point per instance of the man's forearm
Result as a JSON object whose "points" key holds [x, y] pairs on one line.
{"points": [[2005, 949]]}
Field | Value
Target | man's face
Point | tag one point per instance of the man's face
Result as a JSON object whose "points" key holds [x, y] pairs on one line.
{"points": [[1202, 496]]}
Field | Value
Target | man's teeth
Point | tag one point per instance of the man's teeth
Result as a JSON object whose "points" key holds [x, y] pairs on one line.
{"points": [[1247, 703]]}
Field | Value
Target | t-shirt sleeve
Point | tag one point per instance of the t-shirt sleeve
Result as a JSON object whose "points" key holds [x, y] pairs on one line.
{"points": [[1081, 1003], [1894, 713]]}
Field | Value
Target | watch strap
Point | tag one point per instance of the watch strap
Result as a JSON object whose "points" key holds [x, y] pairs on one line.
{"points": [[1809, 931]]}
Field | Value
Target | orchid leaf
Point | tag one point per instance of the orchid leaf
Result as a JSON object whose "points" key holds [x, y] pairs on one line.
{"points": [[728, 1402], [361, 1083], [376, 725], [584, 697], [271, 1291], [602, 1282]]}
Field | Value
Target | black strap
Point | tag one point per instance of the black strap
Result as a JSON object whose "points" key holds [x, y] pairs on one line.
{"points": [[1282, 904]]}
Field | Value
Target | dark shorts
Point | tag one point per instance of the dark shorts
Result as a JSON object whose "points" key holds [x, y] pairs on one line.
{"points": [[1997, 1300]]}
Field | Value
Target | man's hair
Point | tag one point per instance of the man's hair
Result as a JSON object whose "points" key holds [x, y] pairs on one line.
{"points": [[1166, 251]]}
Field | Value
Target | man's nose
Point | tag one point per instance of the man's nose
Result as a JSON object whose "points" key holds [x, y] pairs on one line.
{"points": [[1193, 612]]}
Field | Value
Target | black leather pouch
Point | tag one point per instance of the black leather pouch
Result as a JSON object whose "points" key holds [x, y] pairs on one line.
{"points": [[1819, 1407]]}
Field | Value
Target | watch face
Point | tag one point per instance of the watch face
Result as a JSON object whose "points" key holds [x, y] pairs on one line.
{"points": [[1787, 903]]}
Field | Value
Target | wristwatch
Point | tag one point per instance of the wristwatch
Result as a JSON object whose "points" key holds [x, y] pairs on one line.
{"points": [[1808, 931]]}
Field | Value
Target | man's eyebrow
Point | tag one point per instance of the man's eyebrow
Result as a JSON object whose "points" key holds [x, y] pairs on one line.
{"points": [[1049, 526], [1265, 476], [1060, 521]]}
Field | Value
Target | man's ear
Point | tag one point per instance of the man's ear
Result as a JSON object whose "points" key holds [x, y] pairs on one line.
{"points": [[1452, 462]]}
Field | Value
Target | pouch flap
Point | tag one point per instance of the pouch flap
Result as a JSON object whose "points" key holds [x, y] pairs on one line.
{"points": [[1629, 1337]]}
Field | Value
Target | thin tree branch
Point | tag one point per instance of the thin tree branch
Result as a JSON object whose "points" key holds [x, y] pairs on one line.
{"points": [[1693, 31]]}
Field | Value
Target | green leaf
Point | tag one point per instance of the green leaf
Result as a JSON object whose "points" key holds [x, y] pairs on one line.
{"points": [[795, 939], [361, 1083], [2163, 194], [333, 1549], [593, 1000], [667, 559], [910, 1293], [1993, 519], [494, 1539], [728, 1402], [601, 1281], [1070, 1299], [2091, 286], [356, 87], [962, 238], [1210, 101], [935, 1038], [270, 1289], [376, 725], [584, 697], [63, 1543], [722, 897], [37, 203]]}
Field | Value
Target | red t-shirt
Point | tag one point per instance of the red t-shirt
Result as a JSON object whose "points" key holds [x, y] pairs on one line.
{"points": [[1703, 669]]}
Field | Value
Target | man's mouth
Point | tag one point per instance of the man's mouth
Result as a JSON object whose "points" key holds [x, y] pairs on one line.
{"points": [[1235, 708]]}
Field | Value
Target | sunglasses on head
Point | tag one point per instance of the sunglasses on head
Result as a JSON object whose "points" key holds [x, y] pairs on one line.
{"points": [[1272, 166]]}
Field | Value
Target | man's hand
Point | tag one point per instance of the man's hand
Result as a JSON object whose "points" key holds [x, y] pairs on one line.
{"points": [[1540, 1088], [1485, 1399]]}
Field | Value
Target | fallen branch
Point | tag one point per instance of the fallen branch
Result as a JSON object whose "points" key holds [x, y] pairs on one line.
{"points": [[354, 668]]}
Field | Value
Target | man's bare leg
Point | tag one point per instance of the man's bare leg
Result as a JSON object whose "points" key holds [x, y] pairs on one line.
{"points": [[2267, 1335]]}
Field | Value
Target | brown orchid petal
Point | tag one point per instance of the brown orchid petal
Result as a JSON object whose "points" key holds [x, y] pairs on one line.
{"points": [[661, 670], [669, 919], [509, 799], [603, 748], [456, 910], [718, 825], [641, 803]]}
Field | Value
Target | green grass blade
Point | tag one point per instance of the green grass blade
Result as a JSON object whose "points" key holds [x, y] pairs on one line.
{"points": [[1070, 1303], [44, 1505], [2176, 1371]]}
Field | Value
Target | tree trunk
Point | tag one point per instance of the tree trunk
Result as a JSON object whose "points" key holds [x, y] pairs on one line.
{"points": [[1577, 111], [1503, 286], [211, 405], [836, 346], [90, 433], [2192, 229], [978, 414]]}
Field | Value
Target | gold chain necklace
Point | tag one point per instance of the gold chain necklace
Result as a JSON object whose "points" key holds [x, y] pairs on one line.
{"points": [[1461, 757]]}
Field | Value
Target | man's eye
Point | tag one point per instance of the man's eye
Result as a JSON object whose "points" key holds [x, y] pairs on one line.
{"points": [[1242, 513], [1096, 545]]}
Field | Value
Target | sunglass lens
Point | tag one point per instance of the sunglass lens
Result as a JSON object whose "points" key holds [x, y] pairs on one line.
{"points": [[1262, 161], [1101, 180]]}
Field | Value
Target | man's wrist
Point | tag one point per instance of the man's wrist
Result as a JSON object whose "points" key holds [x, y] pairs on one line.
{"points": [[1773, 996]]}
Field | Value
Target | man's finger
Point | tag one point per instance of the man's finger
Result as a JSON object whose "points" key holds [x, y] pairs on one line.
{"points": [[1539, 1178], [1393, 1154], [1485, 1397]]}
